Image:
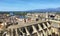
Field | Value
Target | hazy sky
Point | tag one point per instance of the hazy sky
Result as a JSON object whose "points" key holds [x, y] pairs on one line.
{"points": [[22, 5]]}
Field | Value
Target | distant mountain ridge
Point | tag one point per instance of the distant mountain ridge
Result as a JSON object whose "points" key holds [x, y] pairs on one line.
{"points": [[39, 10], [46, 10]]}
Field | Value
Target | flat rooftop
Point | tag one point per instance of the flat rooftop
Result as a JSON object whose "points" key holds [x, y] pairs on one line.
{"points": [[24, 24]]}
